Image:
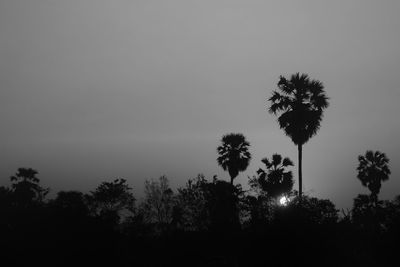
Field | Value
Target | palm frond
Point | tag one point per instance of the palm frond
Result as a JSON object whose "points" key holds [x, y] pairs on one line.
{"points": [[276, 159], [287, 162], [233, 153]]}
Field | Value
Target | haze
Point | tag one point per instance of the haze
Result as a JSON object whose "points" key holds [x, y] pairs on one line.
{"points": [[92, 90]]}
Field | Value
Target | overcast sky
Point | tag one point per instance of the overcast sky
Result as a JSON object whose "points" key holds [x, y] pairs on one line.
{"points": [[92, 90]]}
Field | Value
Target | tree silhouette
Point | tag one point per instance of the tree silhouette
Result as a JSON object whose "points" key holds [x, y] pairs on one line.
{"points": [[111, 198], [234, 155], [192, 199], [366, 211], [275, 180], [311, 211], [373, 169], [26, 189], [70, 203], [300, 103], [222, 204], [158, 201]]}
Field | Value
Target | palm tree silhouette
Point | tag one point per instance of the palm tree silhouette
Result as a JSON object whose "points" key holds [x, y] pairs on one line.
{"points": [[373, 169], [276, 179], [234, 155], [300, 103]]}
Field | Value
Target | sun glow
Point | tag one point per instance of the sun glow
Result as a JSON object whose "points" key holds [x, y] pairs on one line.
{"points": [[283, 201]]}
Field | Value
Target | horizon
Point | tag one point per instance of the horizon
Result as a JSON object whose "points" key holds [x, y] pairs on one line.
{"points": [[91, 91]]}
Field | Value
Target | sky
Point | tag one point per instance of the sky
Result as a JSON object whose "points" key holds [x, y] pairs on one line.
{"points": [[94, 90]]}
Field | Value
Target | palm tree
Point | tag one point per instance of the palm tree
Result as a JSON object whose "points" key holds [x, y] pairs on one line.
{"points": [[373, 169], [234, 155], [300, 103], [276, 180]]}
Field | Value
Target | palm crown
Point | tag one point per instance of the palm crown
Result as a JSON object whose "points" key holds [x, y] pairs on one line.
{"points": [[372, 170], [301, 102], [276, 180], [234, 155]]}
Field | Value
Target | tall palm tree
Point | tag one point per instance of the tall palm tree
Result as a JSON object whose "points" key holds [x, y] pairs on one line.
{"points": [[373, 169], [234, 155], [300, 103]]}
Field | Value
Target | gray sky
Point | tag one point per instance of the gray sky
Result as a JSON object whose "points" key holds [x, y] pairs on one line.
{"points": [[92, 90]]}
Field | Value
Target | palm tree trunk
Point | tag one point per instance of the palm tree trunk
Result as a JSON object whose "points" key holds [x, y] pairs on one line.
{"points": [[232, 174], [299, 146]]}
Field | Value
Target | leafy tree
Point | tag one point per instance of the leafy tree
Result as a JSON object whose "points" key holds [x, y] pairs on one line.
{"points": [[392, 212], [373, 169], [192, 199], [257, 210], [158, 201], [268, 185], [234, 155], [209, 205], [300, 103], [111, 198], [68, 215], [310, 211], [222, 202], [367, 212], [70, 204], [26, 189], [321, 211], [276, 180]]}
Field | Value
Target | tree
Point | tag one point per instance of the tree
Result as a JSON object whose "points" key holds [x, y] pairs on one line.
{"points": [[26, 189], [70, 204], [300, 103], [111, 198], [268, 185], [367, 212], [158, 201], [373, 169], [234, 155], [192, 200], [392, 212], [310, 211], [275, 180]]}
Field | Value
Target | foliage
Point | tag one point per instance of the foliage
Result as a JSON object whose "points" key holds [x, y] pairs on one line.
{"points": [[192, 199], [311, 210], [26, 189], [202, 214], [257, 210], [300, 103], [70, 203], [367, 212], [209, 205], [222, 202], [111, 198], [275, 181], [158, 202], [373, 169], [233, 154], [5, 196]]}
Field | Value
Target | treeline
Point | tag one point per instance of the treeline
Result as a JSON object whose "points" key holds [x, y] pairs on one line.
{"points": [[207, 222]]}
